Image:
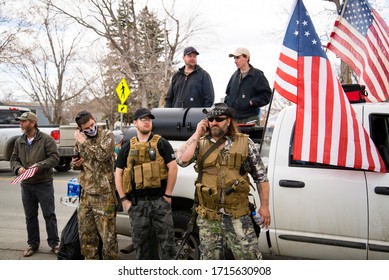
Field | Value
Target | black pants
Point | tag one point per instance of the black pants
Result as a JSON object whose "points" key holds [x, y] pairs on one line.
{"points": [[42, 194]]}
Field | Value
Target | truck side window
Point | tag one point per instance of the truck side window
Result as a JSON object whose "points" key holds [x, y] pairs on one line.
{"points": [[307, 164], [298, 163], [379, 131]]}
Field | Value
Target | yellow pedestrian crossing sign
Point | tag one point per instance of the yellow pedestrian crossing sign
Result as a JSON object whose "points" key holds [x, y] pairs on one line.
{"points": [[122, 108], [123, 91]]}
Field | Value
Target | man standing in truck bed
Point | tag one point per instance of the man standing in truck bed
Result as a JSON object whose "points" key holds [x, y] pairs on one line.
{"points": [[224, 157], [191, 85]]}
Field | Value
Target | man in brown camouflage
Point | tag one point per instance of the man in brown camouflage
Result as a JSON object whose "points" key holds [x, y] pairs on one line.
{"points": [[97, 208], [224, 158]]}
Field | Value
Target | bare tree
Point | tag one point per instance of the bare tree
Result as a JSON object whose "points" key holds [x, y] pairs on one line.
{"points": [[10, 31], [47, 67], [118, 22]]}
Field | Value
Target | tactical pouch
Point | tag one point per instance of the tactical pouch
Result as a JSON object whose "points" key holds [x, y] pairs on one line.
{"points": [[205, 196], [127, 187], [147, 174], [156, 181], [151, 176], [138, 177], [142, 154], [237, 194], [209, 214]]}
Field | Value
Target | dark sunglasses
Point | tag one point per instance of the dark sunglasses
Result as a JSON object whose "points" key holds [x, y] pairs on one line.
{"points": [[218, 119]]}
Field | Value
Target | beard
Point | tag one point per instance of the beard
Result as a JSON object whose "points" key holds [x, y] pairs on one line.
{"points": [[26, 129], [218, 132], [145, 131]]}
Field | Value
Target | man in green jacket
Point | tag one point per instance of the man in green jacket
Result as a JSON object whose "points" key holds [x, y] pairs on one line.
{"points": [[36, 148]]}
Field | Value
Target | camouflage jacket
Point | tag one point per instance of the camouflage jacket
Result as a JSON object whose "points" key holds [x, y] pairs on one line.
{"points": [[97, 171]]}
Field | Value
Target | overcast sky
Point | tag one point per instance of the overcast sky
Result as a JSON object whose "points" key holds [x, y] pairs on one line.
{"points": [[258, 25]]}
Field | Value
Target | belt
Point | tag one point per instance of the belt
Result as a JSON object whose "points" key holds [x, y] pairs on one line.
{"points": [[148, 197]]}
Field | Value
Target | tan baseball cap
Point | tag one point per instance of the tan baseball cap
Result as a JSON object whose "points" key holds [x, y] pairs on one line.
{"points": [[27, 116], [240, 51]]}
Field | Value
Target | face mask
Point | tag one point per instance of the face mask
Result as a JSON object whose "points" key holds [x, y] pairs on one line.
{"points": [[91, 132]]}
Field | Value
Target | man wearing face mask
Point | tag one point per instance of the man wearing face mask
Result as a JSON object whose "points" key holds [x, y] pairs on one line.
{"points": [[97, 209]]}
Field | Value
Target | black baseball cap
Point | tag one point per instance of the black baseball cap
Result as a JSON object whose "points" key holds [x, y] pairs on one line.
{"points": [[190, 50], [143, 112]]}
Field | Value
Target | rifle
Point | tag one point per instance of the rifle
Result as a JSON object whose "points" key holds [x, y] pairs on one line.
{"points": [[189, 230]]}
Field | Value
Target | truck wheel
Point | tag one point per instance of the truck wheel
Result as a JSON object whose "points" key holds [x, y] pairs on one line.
{"points": [[190, 251], [64, 164]]}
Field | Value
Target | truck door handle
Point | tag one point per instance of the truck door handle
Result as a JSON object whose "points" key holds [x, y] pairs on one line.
{"points": [[291, 184], [381, 190]]}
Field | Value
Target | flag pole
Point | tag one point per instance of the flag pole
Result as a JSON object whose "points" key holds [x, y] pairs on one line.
{"points": [[267, 118], [343, 8]]}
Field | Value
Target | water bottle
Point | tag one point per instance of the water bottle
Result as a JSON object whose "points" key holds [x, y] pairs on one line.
{"points": [[73, 187], [257, 219]]}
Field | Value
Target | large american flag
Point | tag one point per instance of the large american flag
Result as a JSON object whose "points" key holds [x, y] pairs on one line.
{"points": [[361, 39], [326, 130]]}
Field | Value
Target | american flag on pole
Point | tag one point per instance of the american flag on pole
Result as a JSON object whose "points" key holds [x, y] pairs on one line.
{"points": [[361, 39], [27, 174], [326, 130]]}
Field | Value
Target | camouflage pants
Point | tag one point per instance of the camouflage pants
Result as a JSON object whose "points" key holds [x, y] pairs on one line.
{"points": [[97, 218], [236, 234], [153, 214]]}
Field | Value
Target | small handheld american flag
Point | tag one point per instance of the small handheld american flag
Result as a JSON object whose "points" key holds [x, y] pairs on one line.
{"points": [[27, 174]]}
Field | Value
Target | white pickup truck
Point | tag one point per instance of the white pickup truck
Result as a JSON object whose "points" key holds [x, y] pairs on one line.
{"points": [[10, 131], [322, 212]]}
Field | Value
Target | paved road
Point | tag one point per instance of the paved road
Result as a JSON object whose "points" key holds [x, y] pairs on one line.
{"points": [[13, 233]]}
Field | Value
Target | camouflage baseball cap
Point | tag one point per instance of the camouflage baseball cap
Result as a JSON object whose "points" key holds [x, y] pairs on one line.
{"points": [[27, 116]]}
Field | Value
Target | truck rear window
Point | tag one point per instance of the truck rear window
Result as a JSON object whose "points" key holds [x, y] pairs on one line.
{"points": [[8, 116]]}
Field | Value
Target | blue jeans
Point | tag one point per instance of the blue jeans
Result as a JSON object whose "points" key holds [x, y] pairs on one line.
{"points": [[32, 195]]}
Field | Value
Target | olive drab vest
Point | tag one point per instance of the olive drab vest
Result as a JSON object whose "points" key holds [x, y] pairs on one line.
{"points": [[148, 171], [222, 189]]}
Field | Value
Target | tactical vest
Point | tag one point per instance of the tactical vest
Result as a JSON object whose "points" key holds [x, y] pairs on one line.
{"points": [[148, 172], [222, 188]]}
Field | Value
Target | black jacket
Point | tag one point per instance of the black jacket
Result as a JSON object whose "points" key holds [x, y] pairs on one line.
{"points": [[194, 90], [254, 86]]}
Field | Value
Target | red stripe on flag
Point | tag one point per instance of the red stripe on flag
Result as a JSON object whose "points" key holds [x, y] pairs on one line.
{"points": [[326, 129], [27, 174], [366, 53]]}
